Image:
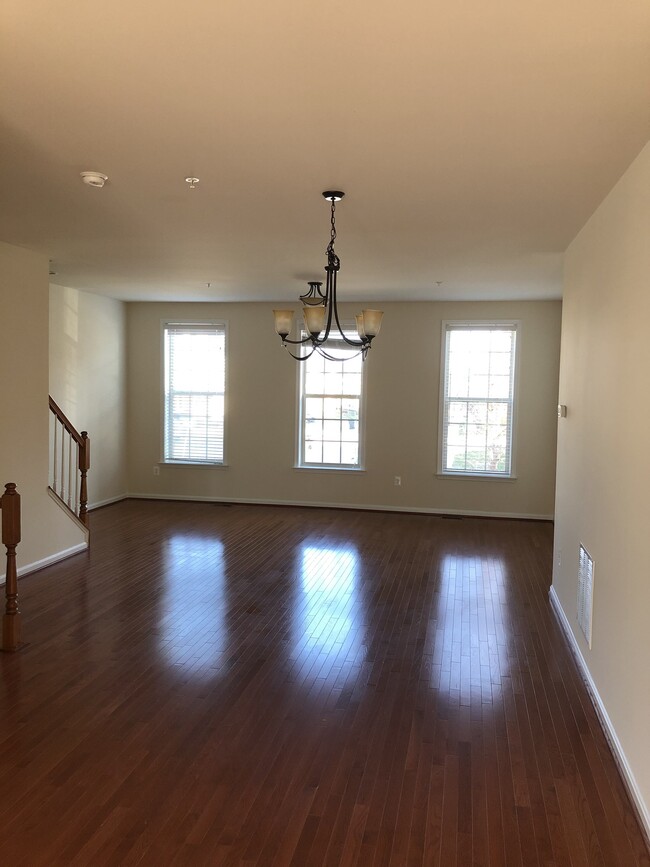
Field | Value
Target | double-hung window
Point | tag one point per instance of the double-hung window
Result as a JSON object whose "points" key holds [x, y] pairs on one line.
{"points": [[194, 392], [331, 400], [478, 391]]}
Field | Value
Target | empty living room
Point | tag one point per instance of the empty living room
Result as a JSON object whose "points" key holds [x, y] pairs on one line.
{"points": [[323, 452]]}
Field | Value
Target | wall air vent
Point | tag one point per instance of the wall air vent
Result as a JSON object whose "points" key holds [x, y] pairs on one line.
{"points": [[585, 592]]}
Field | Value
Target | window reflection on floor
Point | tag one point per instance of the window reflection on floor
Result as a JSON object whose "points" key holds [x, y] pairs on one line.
{"points": [[328, 618], [468, 641], [193, 632]]}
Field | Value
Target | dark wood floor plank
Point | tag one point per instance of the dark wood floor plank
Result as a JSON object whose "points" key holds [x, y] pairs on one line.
{"points": [[268, 687]]}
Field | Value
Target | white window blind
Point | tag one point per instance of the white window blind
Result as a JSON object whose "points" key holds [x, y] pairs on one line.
{"points": [[331, 399], [195, 378], [478, 399]]}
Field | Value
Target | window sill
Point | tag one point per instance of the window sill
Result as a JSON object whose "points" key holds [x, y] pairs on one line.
{"points": [[318, 468], [203, 464], [480, 477]]}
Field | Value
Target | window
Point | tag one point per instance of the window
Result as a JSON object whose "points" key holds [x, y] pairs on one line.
{"points": [[195, 376], [478, 376], [330, 408]]}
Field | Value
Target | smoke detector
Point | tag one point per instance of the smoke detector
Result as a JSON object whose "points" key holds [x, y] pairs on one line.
{"points": [[94, 179]]}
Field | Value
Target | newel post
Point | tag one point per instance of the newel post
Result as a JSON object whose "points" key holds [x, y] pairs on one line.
{"points": [[10, 502], [84, 466]]}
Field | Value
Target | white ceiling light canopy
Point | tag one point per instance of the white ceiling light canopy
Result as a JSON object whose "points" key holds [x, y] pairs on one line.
{"points": [[94, 179]]}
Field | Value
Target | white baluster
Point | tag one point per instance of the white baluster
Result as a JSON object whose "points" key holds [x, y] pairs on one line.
{"points": [[54, 456], [62, 491], [54, 443], [76, 482], [70, 482]]}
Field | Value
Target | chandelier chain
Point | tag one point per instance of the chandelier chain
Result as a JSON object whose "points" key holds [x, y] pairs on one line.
{"points": [[332, 259]]}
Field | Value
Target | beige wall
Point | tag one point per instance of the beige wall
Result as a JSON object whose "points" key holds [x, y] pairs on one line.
{"points": [[46, 530], [403, 373], [88, 381], [604, 454]]}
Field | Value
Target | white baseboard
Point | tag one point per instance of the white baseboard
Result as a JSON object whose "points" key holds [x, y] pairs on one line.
{"points": [[107, 502], [468, 513], [48, 561], [619, 755]]}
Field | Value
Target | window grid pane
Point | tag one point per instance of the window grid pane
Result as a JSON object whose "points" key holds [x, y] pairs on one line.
{"points": [[194, 393], [478, 400], [331, 406]]}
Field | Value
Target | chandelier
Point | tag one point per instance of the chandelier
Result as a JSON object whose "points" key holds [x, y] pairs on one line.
{"points": [[320, 310]]}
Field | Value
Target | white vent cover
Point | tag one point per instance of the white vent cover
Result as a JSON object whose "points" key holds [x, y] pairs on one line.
{"points": [[585, 592]]}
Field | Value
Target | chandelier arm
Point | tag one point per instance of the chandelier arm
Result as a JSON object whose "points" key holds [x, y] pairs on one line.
{"points": [[328, 302], [350, 341], [317, 347], [300, 357], [306, 339], [363, 351]]}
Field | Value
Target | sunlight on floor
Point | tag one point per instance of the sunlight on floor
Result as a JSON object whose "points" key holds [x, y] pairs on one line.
{"points": [[328, 626]]}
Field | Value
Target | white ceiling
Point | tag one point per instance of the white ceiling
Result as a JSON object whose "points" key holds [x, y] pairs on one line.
{"points": [[473, 141]]}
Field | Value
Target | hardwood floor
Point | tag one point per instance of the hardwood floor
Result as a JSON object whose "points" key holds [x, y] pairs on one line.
{"points": [[241, 685]]}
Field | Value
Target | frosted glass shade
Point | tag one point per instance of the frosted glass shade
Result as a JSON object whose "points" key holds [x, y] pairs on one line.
{"points": [[283, 321], [314, 319], [372, 322], [359, 320]]}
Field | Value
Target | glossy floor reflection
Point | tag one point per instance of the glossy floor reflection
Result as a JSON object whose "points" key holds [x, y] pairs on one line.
{"points": [[192, 622], [328, 617], [472, 634], [243, 686]]}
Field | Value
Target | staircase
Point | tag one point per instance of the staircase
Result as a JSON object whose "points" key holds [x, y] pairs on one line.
{"points": [[68, 485], [69, 464]]}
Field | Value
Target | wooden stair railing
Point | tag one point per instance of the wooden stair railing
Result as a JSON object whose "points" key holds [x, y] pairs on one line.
{"points": [[70, 464], [10, 504]]}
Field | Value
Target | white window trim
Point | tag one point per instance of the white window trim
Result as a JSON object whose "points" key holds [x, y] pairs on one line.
{"points": [[487, 324], [206, 322], [339, 468]]}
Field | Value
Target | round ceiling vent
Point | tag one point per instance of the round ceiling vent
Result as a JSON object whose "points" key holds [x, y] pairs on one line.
{"points": [[94, 179]]}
